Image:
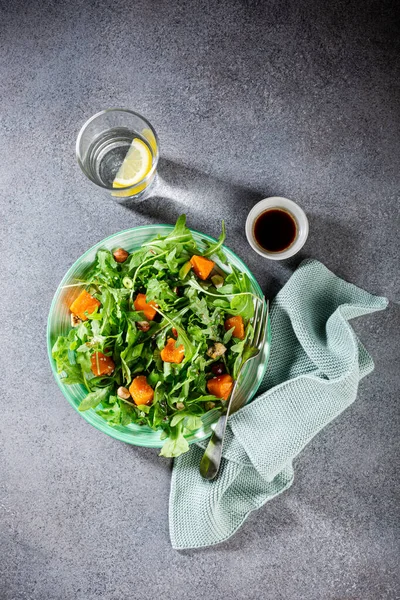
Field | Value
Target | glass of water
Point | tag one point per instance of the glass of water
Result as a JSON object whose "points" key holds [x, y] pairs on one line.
{"points": [[117, 149]]}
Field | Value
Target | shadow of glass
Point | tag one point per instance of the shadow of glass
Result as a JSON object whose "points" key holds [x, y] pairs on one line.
{"points": [[207, 199]]}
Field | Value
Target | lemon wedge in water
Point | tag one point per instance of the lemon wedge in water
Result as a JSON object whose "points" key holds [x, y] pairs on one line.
{"points": [[150, 137], [136, 165]]}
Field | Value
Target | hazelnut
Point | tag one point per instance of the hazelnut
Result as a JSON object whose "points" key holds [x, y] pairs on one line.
{"points": [[217, 280], [120, 255], [143, 325], [123, 393], [216, 350], [179, 406], [75, 321]]}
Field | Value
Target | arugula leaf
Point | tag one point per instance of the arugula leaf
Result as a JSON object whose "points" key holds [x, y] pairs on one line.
{"points": [[177, 419], [111, 414], [94, 398], [131, 351], [128, 413], [136, 258], [180, 234], [243, 305], [199, 307], [227, 336], [161, 292], [107, 267], [216, 248], [172, 262]]}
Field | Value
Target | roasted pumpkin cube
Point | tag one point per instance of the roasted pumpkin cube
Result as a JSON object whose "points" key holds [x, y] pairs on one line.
{"points": [[237, 323], [220, 386], [141, 391], [145, 307], [84, 303], [202, 266], [101, 364], [172, 353]]}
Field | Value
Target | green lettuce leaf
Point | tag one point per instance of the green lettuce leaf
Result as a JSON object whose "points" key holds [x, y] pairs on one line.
{"points": [[94, 398], [176, 444]]}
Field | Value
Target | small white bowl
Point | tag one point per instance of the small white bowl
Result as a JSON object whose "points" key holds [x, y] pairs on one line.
{"points": [[297, 213]]}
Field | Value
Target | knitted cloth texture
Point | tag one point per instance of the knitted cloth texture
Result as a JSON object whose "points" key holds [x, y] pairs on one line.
{"points": [[315, 366]]}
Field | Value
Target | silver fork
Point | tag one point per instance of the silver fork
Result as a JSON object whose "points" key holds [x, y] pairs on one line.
{"points": [[210, 463]]}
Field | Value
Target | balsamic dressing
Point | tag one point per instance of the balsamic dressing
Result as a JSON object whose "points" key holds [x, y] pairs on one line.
{"points": [[275, 230]]}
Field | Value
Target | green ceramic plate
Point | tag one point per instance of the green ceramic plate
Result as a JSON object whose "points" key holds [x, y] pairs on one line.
{"points": [[59, 324]]}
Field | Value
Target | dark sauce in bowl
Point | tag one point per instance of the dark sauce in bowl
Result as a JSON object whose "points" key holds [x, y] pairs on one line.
{"points": [[275, 230]]}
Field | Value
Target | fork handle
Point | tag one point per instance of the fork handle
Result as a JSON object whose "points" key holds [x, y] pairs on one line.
{"points": [[209, 464]]}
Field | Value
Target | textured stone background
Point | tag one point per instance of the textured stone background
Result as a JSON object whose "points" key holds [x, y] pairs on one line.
{"points": [[250, 99]]}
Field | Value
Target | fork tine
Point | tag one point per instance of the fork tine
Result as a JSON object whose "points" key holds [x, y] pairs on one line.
{"points": [[261, 325], [264, 326], [257, 322]]}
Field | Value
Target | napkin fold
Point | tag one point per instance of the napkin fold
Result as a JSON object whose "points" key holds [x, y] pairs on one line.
{"points": [[314, 369]]}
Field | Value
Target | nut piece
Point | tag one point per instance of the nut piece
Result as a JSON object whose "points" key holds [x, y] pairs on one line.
{"points": [[120, 255], [123, 393], [216, 350], [75, 321], [209, 405], [217, 280], [180, 406], [143, 325]]}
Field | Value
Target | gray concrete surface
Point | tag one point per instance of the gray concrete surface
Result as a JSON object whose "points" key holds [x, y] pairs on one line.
{"points": [[250, 99]]}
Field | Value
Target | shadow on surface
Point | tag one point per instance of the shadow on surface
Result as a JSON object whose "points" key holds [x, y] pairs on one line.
{"points": [[150, 455], [330, 241], [334, 244], [207, 199], [269, 523]]}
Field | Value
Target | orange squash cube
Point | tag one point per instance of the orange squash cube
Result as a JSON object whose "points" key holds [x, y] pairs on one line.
{"points": [[84, 303], [146, 307], [237, 323], [202, 266], [101, 364], [220, 386], [141, 391], [172, 354]]}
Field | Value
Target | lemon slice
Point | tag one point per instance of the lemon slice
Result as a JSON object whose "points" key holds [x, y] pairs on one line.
{"points": [[136, 165], [149, 136]]}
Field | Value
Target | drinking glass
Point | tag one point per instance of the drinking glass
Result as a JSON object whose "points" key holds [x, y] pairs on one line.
{"points": [[110, 137]]}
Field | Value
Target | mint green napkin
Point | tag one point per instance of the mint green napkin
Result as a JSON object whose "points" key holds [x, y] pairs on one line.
{"points": [[315, 366]]}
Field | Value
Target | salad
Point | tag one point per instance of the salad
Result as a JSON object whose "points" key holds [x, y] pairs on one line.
{"points": [[158, 335]]}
